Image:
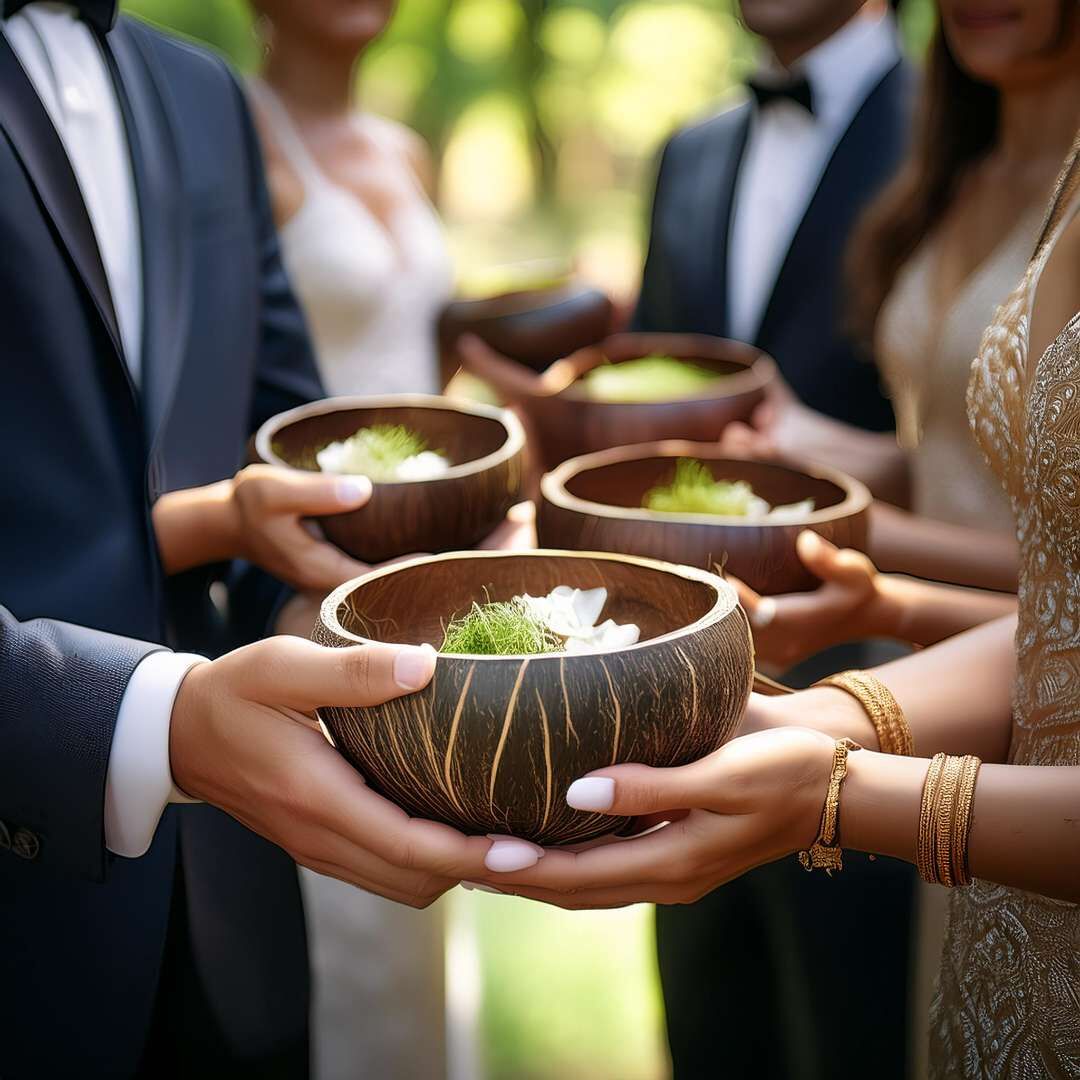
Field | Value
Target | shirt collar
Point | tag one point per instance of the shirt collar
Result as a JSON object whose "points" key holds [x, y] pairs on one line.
{"points": [[844, 68]]}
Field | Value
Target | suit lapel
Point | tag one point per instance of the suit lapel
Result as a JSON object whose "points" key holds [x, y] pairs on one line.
{"points": [[34, 139], [718, 175], [834, 189], [163, 224]]}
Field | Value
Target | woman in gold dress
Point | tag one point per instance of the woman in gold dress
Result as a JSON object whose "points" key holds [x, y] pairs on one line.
{"points": [[1008, 1003]]}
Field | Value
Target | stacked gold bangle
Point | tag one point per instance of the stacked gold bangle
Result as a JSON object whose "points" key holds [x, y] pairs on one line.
{"points": [[893, 733], [945, 820]]}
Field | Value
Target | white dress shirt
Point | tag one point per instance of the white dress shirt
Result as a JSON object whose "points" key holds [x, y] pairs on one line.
{"points": [[64, 62], [787, 151]]}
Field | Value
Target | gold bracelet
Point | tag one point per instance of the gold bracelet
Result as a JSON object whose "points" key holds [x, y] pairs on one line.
{"points": [[945, 820], [893, 732], [825, 853], [924, 852], [965, 801]]}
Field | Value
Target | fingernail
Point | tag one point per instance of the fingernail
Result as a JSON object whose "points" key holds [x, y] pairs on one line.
{"points": [[591, 793], [764, 613], [413, 667], [475, 886], [352, 490], [507, 856]]}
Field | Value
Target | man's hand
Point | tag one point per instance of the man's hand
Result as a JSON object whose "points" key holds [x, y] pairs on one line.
{"points": [[244, 738]]}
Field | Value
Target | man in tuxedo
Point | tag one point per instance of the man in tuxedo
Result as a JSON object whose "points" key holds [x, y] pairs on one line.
{"points": [[779, 974], [147, 327]]}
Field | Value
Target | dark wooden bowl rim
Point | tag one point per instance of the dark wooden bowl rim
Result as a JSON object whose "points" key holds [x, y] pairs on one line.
{"points": [[726, 598], [758, 372], [513, 444], [857, 497]]}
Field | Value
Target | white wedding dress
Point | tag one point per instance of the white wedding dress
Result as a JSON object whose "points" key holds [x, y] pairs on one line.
{"points": [[372, 296]]}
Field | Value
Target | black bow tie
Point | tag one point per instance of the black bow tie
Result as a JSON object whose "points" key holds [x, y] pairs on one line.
{"points": [[797, 90], [100, 14]]}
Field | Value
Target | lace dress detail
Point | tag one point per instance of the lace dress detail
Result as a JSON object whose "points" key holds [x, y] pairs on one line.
{"points": [[1008, 1003]]}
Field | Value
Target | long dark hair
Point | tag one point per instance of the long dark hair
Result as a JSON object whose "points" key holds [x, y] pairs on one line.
{"points": [[956, 124]]}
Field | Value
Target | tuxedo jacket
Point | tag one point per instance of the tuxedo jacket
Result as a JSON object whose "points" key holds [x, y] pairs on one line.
{"points": [[805, 323], [83, 456]]}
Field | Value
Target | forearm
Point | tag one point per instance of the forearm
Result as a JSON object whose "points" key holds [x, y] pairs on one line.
{"points": [[904, 543], [196, 527], [924, 613], [1025, 826], [870, 456]]}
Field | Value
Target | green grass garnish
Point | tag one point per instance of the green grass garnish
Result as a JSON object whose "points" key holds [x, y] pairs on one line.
{"points": [[695, 491], [500, 628], [650, 378], [378, 451]]}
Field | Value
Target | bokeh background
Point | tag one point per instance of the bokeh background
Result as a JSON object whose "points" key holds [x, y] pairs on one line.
{"points": [[544, 118]]}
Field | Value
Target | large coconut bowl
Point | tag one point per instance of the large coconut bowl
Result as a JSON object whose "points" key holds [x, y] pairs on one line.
{"points": [[594, 502], [534, 327], [456, 510], [565, 420], [493, 742]]}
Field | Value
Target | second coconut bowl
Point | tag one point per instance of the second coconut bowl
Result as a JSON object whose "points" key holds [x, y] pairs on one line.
{"points": [[493, 742], [483, 444], [594, 502]]}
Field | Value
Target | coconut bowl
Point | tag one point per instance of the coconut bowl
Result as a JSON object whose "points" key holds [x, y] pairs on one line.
{"points": [[534, 327], [493, 742], [594, 502], [455, 510], [564, 421]]}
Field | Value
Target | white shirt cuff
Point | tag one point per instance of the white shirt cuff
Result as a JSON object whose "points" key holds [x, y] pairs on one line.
{"points": [[139, 783]]}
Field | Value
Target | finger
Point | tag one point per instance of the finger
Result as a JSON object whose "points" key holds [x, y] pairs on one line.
{"points": [[420, 897], [829, 563], [638, 790], [511, 379], [307, 494], [292, 673], [319, 566], [646, 892]]}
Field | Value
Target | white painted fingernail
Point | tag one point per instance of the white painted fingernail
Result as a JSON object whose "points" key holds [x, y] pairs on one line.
{"points": [[517, 840], [764, 613], [475, 886], [591, 793], [507, 856], [414, 666], [352, 490]]}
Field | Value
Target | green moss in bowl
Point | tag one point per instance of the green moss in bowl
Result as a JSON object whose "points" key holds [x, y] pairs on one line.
{"points": [[648, 378], [694, 490], [384, 453]]}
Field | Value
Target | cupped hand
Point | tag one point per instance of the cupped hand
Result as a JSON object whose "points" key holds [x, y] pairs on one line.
{"points": [[268, 510], [754, 800], [848, 604], [244, 738]]}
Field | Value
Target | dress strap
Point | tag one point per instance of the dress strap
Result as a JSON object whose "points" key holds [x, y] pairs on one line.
{"points": [[1066, 194], [285, 133]]}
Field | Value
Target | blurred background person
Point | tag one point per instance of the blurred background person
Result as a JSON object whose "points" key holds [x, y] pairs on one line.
{"points": [[364, 249], [752, 214], [352, 194]]}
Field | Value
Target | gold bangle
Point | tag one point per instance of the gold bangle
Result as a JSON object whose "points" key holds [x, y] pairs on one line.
{"points": [[964, 801], [943, 826], [883, 710], [825, 853], [924, 852]]}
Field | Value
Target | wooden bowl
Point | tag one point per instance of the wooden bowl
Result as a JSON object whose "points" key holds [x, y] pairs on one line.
{"points": [[534, 327], [493, 742], [594, 502], [563, 421], [456, 510]]}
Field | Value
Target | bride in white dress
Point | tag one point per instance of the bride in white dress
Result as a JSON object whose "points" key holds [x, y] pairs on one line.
{"points": [[367, 258]]}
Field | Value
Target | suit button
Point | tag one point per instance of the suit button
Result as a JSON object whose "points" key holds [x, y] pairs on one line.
{"points": [[5, 838], [25, 844]]}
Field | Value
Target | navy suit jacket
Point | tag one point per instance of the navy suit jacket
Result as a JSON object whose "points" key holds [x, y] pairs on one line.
{"points": [[804, 327], [83, 456]]}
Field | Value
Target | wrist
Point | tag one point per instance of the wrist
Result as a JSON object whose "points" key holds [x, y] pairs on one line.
{"points": [[830, 710], [190, 708], [880, 809], [886, 613]]}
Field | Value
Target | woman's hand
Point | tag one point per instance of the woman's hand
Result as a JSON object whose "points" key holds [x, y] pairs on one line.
{"points": [[757, 799], [850, 604], [259, 515]]}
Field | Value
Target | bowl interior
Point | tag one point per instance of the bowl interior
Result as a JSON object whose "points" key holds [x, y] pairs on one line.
{"points": [[624, 483], [461, 436], [411, 604]]}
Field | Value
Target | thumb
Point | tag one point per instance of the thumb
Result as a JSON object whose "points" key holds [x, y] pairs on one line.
{"points": [[312, 493], [637, 790], [510, 378], [831, 564], [291, 673]]}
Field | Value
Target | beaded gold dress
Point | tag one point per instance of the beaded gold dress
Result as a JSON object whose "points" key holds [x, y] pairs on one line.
{"points": [[1008, 1003]]}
